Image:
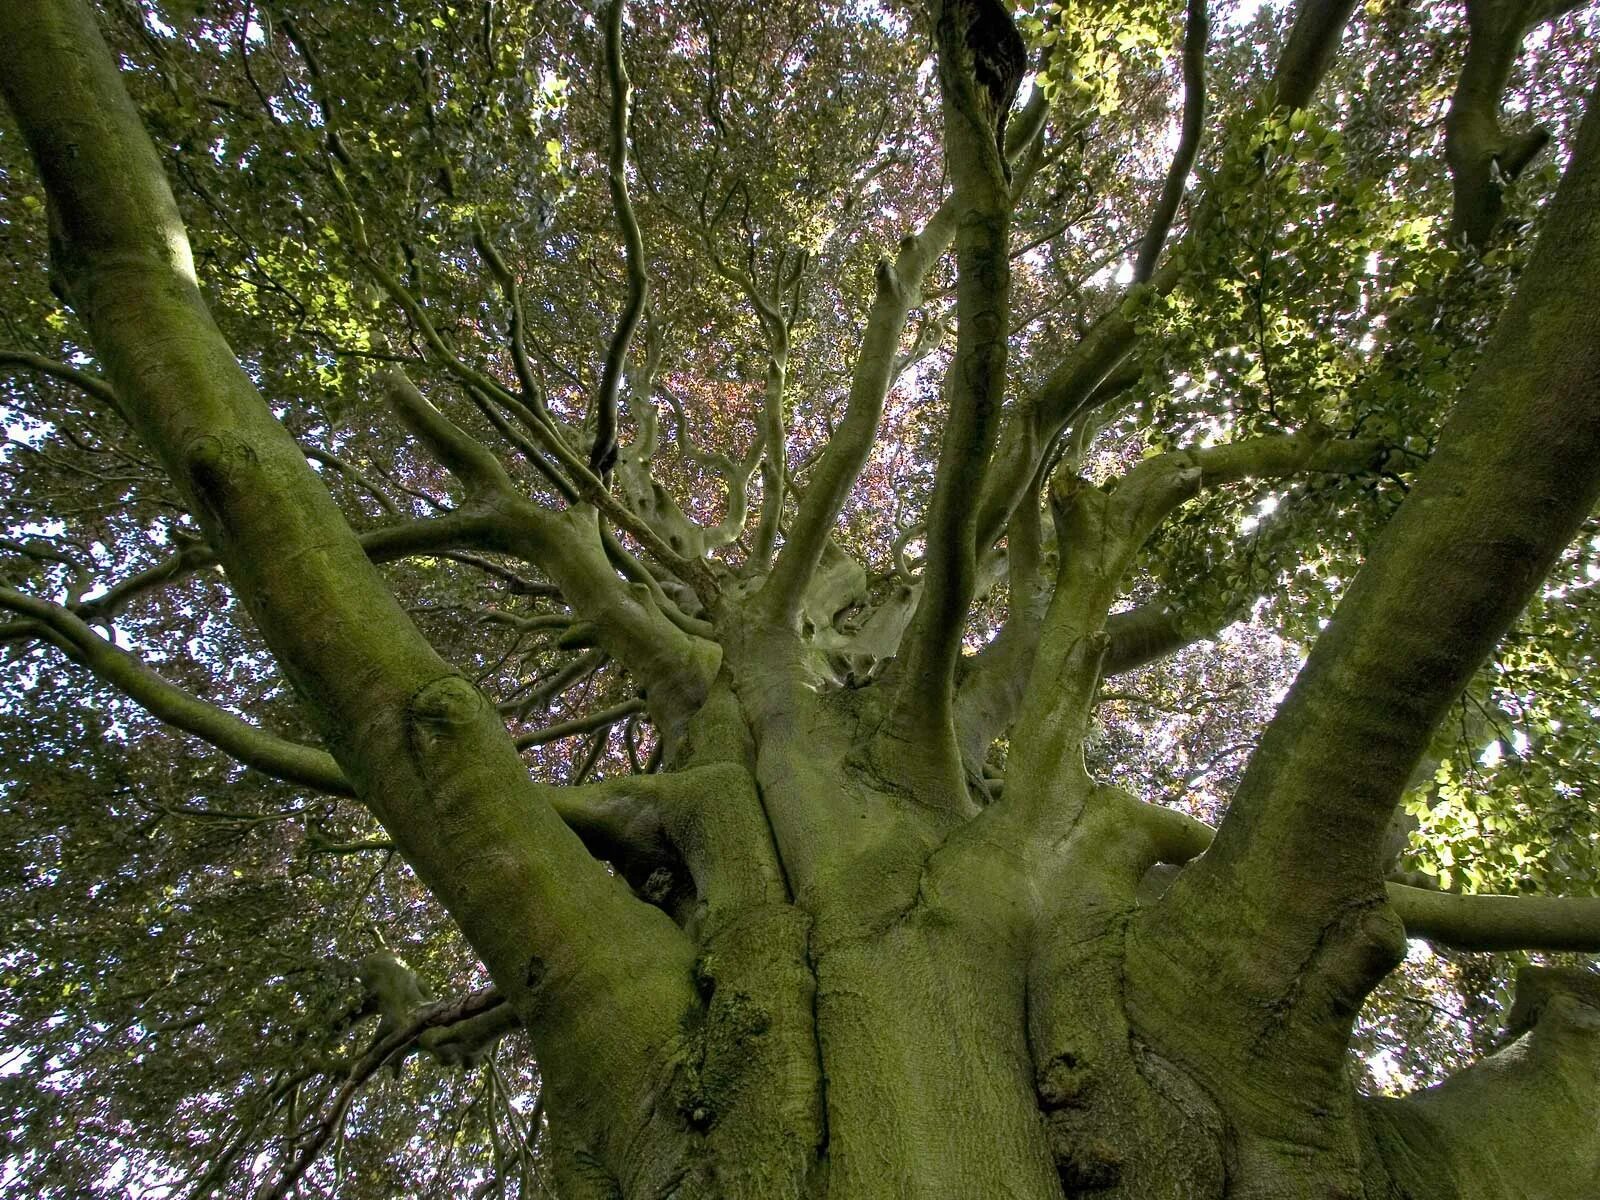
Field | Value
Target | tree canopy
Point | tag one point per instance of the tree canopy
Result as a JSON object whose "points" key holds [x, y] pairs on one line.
{"points": [[1021, 387]]}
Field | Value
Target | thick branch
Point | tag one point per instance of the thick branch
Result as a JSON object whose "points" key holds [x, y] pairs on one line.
{"points": [[1295, 868], [1143, 635], [1313, 40], [1481, 157], [997, 678], [1487, 922], [1518, 1123], [1098, 533], [1449, 919], [981, 60], [421, 746], [479, 470]]}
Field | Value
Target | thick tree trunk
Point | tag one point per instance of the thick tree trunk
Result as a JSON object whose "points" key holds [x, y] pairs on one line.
{"points": [[899, 1003], [959, 1022]]}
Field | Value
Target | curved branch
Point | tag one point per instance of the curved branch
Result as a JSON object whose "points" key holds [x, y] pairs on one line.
{"points": [[533, 394], [1194, 111], [473, 1006], [91, 385], [898, 291], [253, 747], [604, 452], [356, 475], [479, 470], [1313, 39]]}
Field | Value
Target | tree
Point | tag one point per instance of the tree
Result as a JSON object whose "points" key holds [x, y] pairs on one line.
{"points": [[859, 882]]}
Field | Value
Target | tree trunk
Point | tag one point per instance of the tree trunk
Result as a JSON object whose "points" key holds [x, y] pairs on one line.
{"points": [[970, 1019]]}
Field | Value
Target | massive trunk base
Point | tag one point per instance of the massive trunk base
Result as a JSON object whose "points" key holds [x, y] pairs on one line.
{"points": [[985, 1021]]}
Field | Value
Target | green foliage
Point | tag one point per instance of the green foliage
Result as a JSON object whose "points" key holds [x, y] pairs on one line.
{"points": [[1095, 50]]}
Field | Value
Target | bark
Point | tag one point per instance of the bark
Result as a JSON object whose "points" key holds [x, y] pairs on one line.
{"points": [[807, 959]]}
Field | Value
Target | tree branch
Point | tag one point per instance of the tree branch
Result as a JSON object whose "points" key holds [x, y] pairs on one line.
{"points": [[1313, 40], [1295, 869], [253, 747], [1142, 636], [599, 719], [357, 476], [1071, 386], [898, 292], [1488, 922], [532, 393], [91, 385], [1098, 533], [1450, 919], [1514, 476], [975, 103], [1482, 159], [422, 747], [604, 452], [474, 1006], [997, 680], [1194, 111], [479, 470]]}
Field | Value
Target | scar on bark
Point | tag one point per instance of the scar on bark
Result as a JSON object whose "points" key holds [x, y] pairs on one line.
{"points": [[999, 59]]}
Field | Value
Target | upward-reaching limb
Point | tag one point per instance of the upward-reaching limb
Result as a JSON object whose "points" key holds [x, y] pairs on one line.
{"points": [[1194, 114], [898, 290], [1512, 479], [420, 745], [977, 44], [1296, 862], [1070, 387], [1483, 159], [604, 451]]}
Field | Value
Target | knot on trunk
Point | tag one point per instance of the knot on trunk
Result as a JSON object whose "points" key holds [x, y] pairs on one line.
{"points": [[1358, 950], [216, 464], [439, 712], [727, 1043], [1062, 1081], [1086, 1159]]}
